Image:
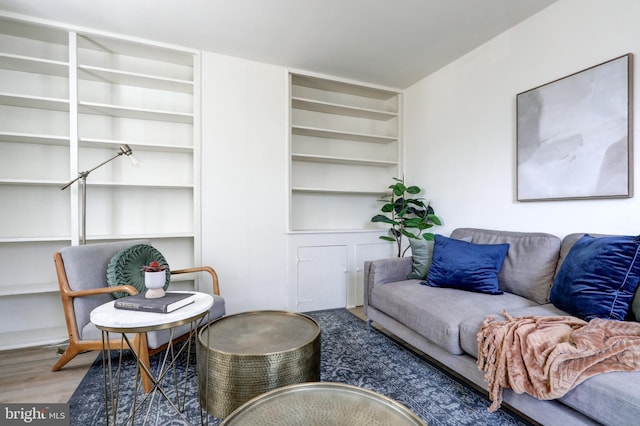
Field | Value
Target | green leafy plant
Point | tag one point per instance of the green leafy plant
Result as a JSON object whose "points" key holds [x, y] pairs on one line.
{"points": [[408, 217]]}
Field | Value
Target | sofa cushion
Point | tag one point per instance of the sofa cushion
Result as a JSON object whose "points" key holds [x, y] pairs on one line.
{"points": [[635, 306], [530, 265], [436, 313], [599, 277], [466, 266], [568, 242], [421, 254], [470, 328], [608, 398]]}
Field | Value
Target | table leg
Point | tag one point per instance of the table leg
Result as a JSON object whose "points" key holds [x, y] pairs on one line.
{"points": [[169, 362]]}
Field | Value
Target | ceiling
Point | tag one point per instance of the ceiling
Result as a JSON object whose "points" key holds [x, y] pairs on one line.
{"points": [[388, 42]]}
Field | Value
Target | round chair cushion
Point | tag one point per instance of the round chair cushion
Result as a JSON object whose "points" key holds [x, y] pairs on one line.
{"points": [[126, 267]]}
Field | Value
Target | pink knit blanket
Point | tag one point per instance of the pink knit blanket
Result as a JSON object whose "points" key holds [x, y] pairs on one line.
{"points": [[548, 356]]}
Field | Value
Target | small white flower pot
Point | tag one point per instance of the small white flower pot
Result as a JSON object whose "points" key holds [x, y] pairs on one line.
{"points": [[154, 281]]}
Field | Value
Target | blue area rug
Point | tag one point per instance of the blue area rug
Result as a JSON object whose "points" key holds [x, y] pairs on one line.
{"points": [[350, 354]]}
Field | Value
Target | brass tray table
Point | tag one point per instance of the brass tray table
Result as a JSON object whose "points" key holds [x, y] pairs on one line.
{"points": [[322, 404]]}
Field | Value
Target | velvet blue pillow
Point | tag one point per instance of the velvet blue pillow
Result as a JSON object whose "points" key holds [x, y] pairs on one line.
{"points": [[466, 266], [598, 278]]}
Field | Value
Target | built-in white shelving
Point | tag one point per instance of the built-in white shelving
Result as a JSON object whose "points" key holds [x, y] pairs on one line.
{"points": [[38, 102], [134, 79], [69, 100], [34, 65], [39, 139], [345, 145], [339, 109], [341, 160]]}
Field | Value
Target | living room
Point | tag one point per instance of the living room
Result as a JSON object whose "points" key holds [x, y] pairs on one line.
{"points": [[459, 144]]}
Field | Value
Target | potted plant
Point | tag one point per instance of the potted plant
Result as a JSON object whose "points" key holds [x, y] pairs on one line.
{"points": [[408, 217], [155, 276]]}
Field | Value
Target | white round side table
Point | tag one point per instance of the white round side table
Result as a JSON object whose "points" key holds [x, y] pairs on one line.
{"points": [[113, 320]]}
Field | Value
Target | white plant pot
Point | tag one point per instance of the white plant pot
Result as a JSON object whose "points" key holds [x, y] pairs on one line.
{"points": [[154, 281]]}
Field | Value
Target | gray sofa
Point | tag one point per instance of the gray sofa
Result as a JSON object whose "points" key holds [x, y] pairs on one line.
{"points": [[444, 322]]}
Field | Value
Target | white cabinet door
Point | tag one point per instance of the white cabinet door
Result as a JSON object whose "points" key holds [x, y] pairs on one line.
{"points": [[363, 252], [322, 277]]}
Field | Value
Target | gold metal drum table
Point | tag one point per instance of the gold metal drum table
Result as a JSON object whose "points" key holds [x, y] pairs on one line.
{"points": [[322, 404], [250, 353]]}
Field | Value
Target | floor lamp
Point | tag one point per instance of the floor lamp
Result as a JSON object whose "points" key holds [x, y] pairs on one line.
{"points": [[82, 177]]}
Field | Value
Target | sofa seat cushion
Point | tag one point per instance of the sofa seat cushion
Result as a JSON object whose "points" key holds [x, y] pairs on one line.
{"points": [[436, 313], [607, 398], [470, 327]]}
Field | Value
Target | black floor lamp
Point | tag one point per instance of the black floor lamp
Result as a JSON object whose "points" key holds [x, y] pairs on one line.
{"points": [[82, 177]]}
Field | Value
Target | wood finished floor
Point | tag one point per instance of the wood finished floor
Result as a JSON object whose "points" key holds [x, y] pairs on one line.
{"points": [[26, 376]]}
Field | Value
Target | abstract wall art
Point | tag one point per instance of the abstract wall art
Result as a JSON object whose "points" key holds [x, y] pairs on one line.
{"points": [[574, 136]]}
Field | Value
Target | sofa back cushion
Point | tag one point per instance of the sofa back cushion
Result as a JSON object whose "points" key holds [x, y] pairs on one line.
{"points": [[530, 265]]}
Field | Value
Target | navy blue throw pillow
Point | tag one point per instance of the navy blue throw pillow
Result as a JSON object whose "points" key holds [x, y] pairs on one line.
{"points": [[466, 266], [598, 278]]}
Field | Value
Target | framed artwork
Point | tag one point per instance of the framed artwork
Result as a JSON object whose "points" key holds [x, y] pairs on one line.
{"points": [[574, 136]]}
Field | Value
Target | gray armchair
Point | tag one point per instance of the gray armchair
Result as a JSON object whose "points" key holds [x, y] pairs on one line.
{"points": [[82, 277]]}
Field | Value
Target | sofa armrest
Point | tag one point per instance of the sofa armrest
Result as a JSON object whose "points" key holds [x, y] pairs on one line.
{"points": [[387, 270], [383, 271]]}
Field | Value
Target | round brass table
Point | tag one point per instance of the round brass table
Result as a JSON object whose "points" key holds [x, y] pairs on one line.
{"points": [[322, 404], [250, 353]]}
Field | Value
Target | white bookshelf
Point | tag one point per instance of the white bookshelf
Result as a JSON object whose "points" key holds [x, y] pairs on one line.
{"points": [[68, 101], [344, 151]]}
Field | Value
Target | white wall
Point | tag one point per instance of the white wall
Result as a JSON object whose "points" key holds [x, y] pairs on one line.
{"points": [[460, 124], [244, 180]]}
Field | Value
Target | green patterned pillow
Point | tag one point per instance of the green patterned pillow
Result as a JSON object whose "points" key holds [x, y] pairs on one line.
{"points": [[125, 267]]}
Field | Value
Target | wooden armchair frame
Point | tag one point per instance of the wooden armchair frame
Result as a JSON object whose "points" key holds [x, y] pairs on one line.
{"points": [[77, 345]]}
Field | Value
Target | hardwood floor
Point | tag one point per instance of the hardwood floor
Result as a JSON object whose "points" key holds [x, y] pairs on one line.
{"points": [[26, 376]]}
